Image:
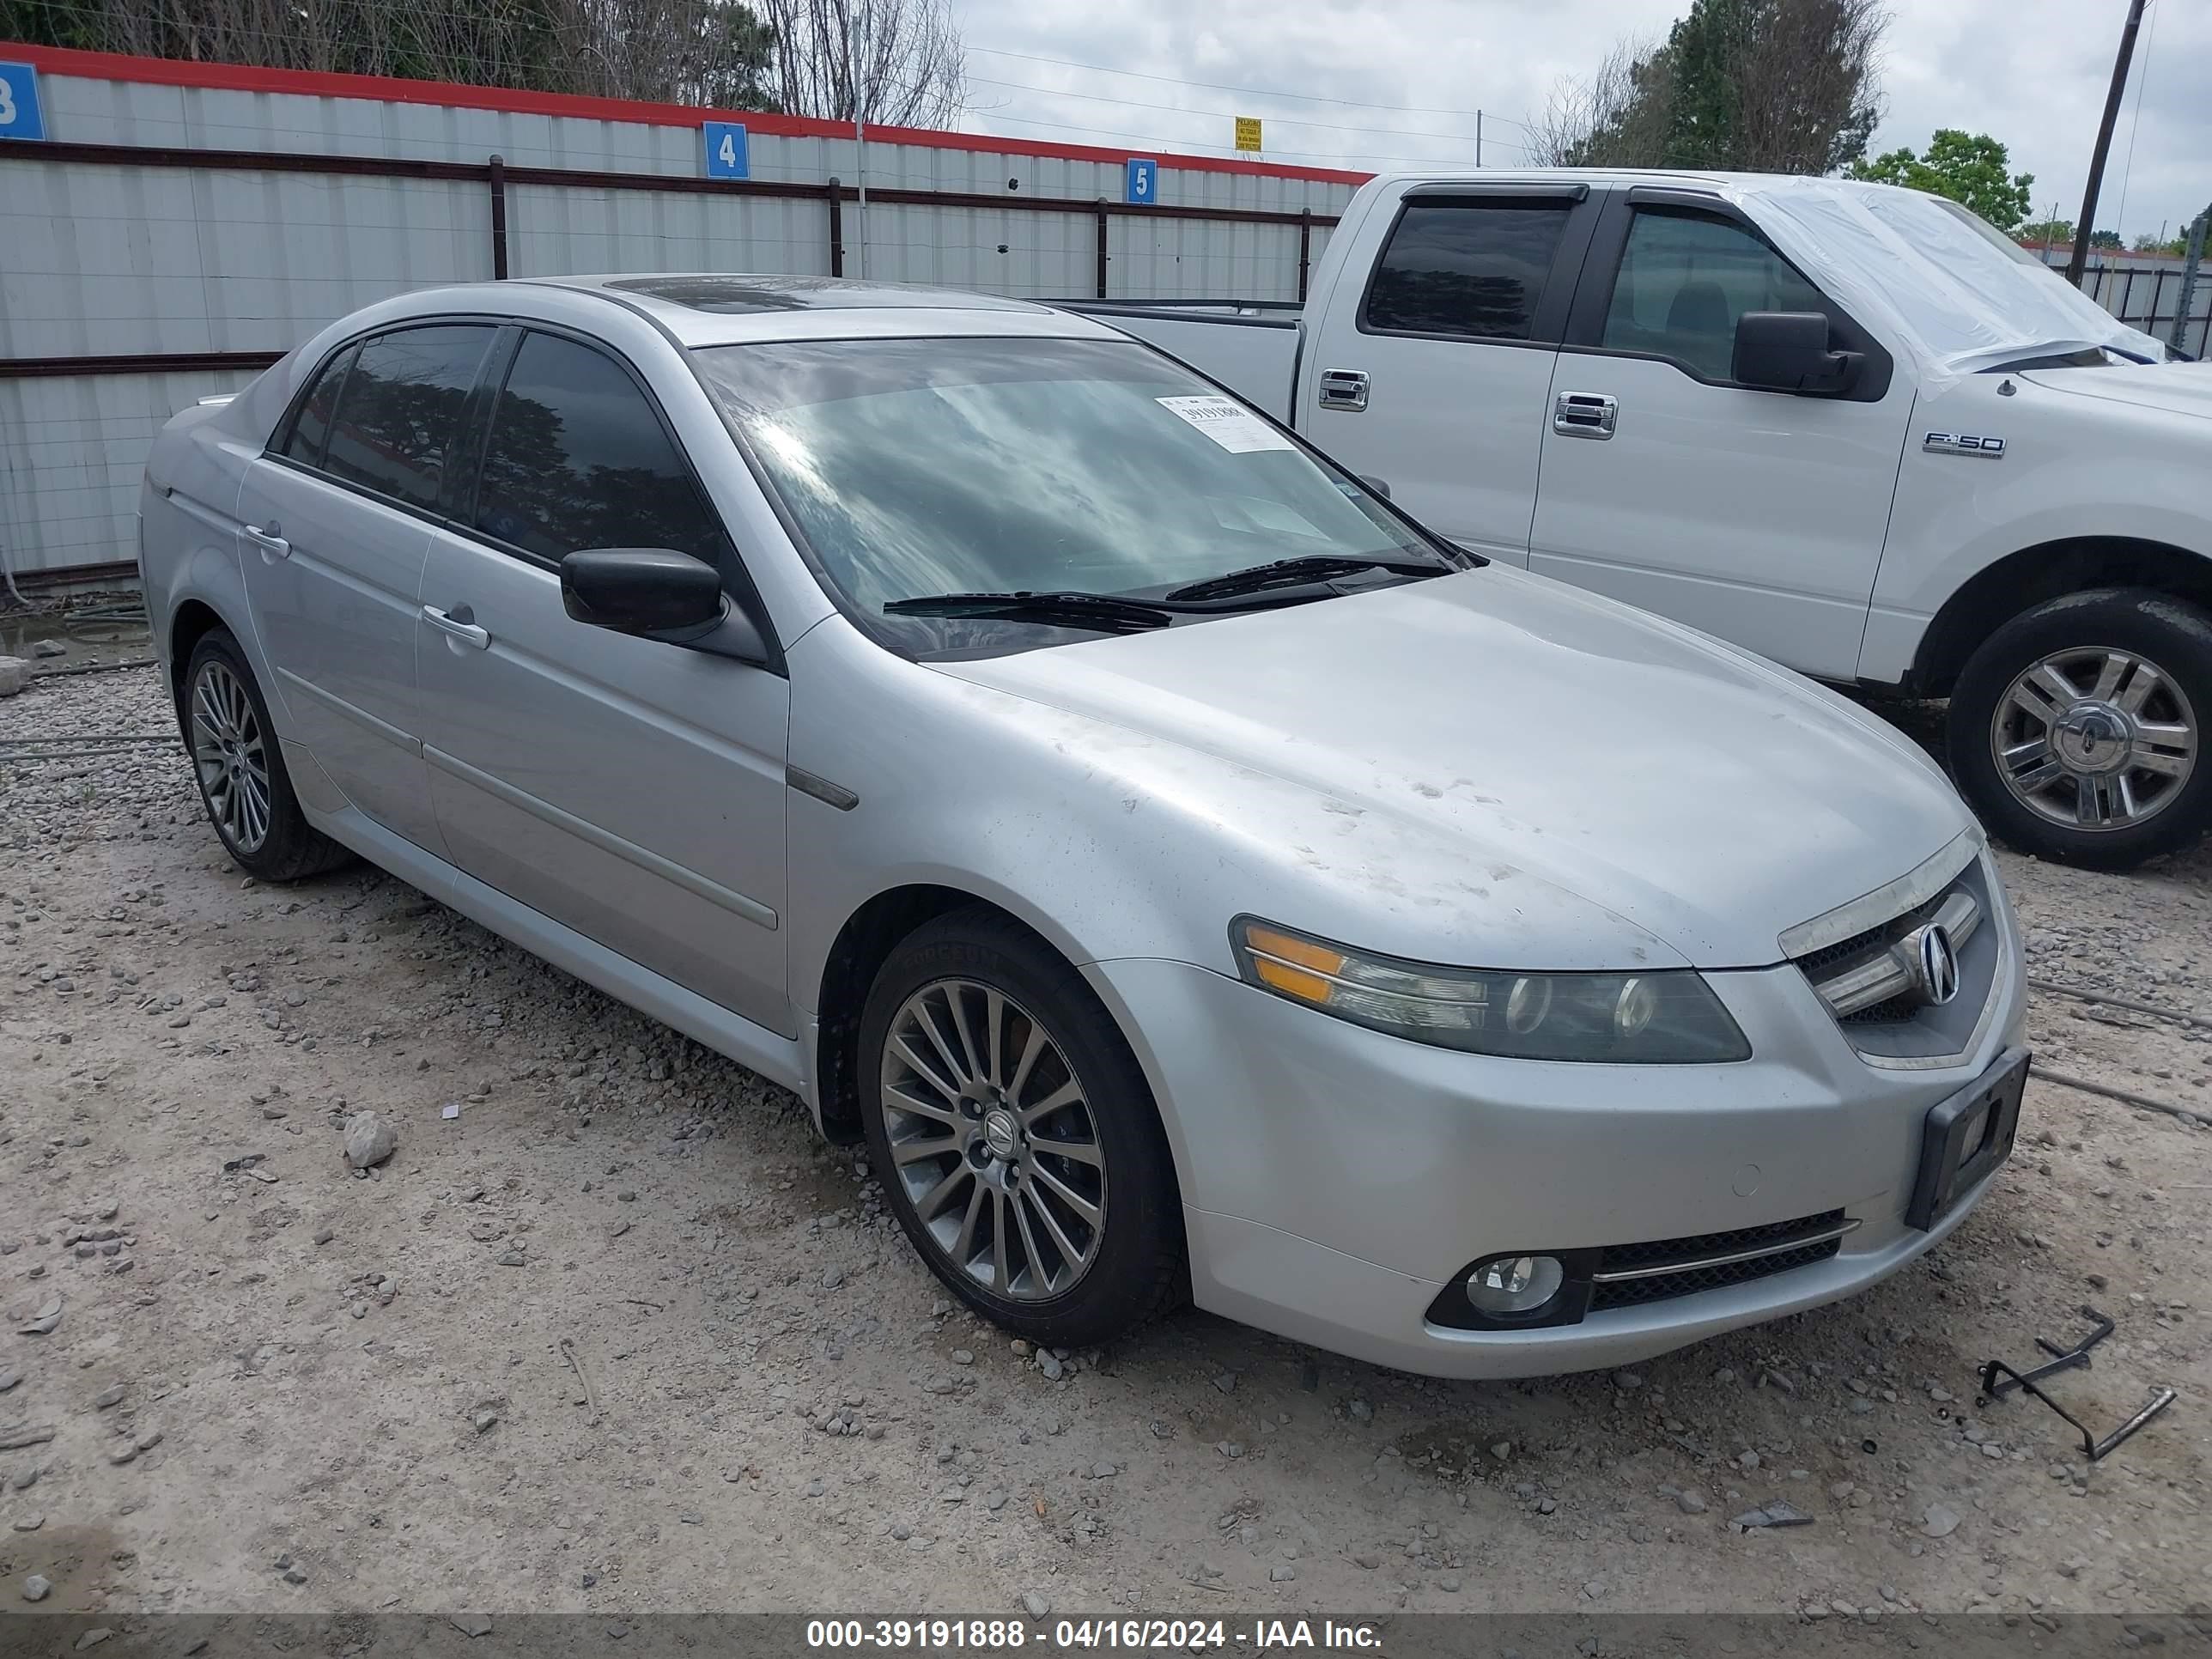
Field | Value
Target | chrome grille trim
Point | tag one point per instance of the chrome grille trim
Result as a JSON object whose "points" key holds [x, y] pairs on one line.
{"points": [[1775, 1247], [1886, 903], [1889, 973]]}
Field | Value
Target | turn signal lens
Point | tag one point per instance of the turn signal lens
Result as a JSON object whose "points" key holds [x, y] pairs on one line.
{"points": [[1670, 1017]]}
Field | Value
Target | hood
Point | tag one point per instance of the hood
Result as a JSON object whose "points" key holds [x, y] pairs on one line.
{"points": [[2174, 388], [1708, 799]]}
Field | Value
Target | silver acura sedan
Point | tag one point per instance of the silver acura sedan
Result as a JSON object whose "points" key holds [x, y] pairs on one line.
{"points": [[1191, 878]]}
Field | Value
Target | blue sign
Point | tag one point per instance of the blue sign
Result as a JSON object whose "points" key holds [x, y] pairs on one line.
{"points": [[20, 115], [1144, 181], [725, 150]]}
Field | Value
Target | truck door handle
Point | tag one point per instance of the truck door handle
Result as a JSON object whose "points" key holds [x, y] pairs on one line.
{"points": [[459, 623], [1584, 414], [272, 545], [1343, 388]]}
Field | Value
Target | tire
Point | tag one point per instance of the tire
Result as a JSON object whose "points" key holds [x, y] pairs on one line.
{"points": [[1060, 1283], [239, 769], [2091, 782]]}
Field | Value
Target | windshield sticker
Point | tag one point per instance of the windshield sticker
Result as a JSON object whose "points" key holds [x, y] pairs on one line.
{"points": [[1229, 424]]}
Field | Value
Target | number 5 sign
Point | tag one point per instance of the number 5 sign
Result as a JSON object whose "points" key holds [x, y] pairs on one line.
{"points": [[725, 150], [20, 115]]}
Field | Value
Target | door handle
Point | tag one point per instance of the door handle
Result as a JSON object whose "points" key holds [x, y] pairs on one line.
{"points": [[1584, 414], [1343, 388], [273, 546], [458, 623]]}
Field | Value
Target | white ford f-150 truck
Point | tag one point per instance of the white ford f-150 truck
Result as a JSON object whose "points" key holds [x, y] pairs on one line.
{"points": [[1847, 426]]}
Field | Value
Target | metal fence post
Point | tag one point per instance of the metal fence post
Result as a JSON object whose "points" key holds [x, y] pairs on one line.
{"points": [[2190, 261], [1305, 249], [497, 172], [1102, 247], [836, 194]]}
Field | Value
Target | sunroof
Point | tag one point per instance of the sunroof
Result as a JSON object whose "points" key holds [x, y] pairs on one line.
{"points": [[739, 295]]}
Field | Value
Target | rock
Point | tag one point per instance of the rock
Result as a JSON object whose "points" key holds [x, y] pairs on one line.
{"points": [[1448, 1583], [30, 1522], [122, 1454], [1772, 1513], [13, 670], [1627, 1381], [49, 648], [324, 1235], [1367, 1559], [832, 1278], [483, 1422], [35, 1587], [964, 1357], [1052, 1368], [1282, 1574], [471, 1625], [1036, 1605], [1547, 1506], [1103, 1471], [1690, 1503], [42, 1322], [24, 1434], [9, 1380], [107, 1397], [1225, 1380], [1939, 1520], [1746, 1460], [512, 1256], [1360, 1411], [369, 1139], [1501, 1449], [90, 1638]]}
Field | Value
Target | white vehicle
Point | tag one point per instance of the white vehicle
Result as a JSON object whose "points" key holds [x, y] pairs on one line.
{"points": [[1848, 425]]}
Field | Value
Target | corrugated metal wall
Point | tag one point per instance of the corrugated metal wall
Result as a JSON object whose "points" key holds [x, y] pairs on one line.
{"points": [[109, 258]]}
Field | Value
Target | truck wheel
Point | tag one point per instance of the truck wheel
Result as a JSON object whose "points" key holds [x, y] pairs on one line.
{"points": [[1016, 1136], [240, 768], [2075, 729]]}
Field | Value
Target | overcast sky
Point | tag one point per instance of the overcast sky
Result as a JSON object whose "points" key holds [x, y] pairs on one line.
{"points": [[2031, 73]]}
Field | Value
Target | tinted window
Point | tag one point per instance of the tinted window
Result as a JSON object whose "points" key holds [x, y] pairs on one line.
{"points": [[1685, 280], [1463, 269], [313, 424], [401, 411], [579, 459]]}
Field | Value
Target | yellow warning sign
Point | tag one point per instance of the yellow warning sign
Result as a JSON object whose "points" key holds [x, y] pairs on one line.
{"points": [[1248, 132]]}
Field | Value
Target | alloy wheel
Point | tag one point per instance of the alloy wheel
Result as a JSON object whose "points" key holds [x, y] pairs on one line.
{"points": [[229, 753], [994, 1141], [2094, 738]]}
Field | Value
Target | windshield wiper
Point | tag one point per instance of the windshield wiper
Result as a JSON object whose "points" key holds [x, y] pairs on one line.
{"points": [[1291, 573], [1079, 610]]}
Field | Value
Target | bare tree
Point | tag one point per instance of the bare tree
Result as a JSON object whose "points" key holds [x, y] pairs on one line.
{"points": [[1614, 118], [1806, 94], [899, 62]]}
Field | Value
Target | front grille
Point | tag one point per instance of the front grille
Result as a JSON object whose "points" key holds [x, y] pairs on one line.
{"points": [[1698, 1271], [1634, 1292]]}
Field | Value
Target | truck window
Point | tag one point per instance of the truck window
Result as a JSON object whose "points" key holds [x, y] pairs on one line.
{"points": [[1685, 279], [1474, 270]]}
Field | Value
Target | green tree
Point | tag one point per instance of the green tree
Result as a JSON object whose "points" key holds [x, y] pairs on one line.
{"points": [[1772, 86], [2039, 233], [2150, 244], [1968, 167]]}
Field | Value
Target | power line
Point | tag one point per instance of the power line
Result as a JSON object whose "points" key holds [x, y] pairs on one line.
{"points": [[1256, 92], [1182, 109]]}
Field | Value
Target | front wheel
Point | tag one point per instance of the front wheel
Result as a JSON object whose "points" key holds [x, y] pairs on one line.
{"points": [[1015, 1135], [239, 769], [2075, 730]]}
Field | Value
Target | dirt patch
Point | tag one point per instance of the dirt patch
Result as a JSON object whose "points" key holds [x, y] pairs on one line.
{"points": [[621, 1336]]}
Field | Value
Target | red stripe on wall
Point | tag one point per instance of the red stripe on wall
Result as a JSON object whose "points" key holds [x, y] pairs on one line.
{"points": [[388, 89]]}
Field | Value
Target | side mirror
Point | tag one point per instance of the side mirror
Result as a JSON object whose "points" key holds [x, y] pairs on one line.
{"points": [[1788, 351], [1374, 486], [658, 594]]}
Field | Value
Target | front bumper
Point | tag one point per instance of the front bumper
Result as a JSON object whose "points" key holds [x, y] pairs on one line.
{"points": [[1335, 1179]]}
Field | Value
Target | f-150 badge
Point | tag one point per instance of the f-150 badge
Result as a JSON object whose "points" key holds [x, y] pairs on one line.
{"points": [[1960, 443]]}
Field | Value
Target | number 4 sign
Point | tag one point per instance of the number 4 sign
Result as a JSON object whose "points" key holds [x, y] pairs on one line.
{"points": [[725, 150], [20, 115]]}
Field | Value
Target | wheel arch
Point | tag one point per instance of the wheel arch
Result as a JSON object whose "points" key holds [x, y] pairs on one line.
{"points": [[192, 621], [2021, 580]]}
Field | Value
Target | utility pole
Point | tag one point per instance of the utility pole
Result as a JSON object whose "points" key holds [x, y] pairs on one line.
{"points": [[856, 66], [2083, 229]]}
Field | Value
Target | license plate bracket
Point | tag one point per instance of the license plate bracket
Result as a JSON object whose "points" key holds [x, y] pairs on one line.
{"points": [[1966, 1137]]}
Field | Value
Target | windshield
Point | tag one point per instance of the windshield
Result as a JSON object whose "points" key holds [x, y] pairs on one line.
{"points": [[916, 468], [1963, 287]]}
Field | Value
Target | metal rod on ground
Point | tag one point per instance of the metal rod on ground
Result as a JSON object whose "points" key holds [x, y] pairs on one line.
{"points": [[2086, 226], [2099, 997], [2123, 1095]]}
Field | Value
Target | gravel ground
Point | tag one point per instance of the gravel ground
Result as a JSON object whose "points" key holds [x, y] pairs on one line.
{"points": [[621, 1335]]}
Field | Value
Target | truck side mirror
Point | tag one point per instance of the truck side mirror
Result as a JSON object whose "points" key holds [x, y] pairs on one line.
{"points": [[1788, 351]]}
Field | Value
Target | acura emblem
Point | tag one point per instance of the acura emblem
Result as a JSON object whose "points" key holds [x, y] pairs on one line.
{"points": [[1936, 965]]}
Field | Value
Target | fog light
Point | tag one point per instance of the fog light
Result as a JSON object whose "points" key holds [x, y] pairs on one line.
{"points": [[1514, 1284]]}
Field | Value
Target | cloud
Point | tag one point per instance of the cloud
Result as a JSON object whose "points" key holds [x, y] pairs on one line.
{"points": [[2031, 73]]}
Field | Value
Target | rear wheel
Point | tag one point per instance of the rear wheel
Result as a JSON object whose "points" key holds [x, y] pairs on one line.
{"points": [[1015, 1134], [239, 769], [2076, 729]]}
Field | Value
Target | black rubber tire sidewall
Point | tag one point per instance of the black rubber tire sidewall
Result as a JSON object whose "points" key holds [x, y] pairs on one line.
{"points": [[1139, 1271], [2172, 633], [293, 848]]}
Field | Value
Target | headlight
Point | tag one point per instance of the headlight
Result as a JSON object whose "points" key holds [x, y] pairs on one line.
{"points": [[1669, 1017]]}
